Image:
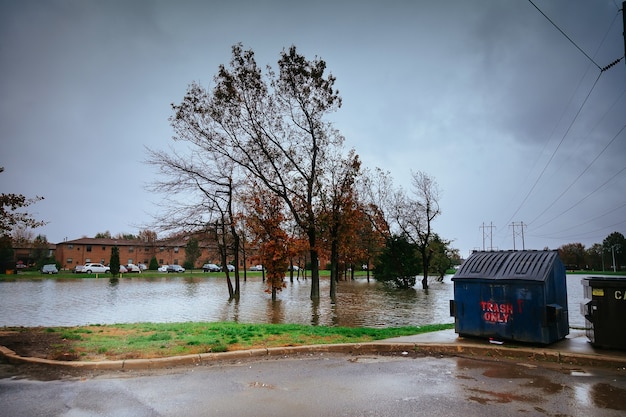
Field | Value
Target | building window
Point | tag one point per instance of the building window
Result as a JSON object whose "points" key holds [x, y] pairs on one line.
{"points": [[70, 246], [161, 248], [70, 260], [88, 248], [161, 261], [175, 261], [102, 261], [130, 261], [104, 248], [146, 249], [131, 249], [87, 260], [176, 249]]}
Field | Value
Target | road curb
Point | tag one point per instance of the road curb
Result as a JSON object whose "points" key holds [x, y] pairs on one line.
{"points": [[354, 349]]}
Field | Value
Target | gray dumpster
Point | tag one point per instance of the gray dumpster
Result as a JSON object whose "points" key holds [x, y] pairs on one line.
{"points": [[511, 295]]}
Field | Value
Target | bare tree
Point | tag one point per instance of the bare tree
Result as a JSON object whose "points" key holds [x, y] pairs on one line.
{"points": [[199, 198], [376, 192], [22, 235], [271, 127], [414, 215]]}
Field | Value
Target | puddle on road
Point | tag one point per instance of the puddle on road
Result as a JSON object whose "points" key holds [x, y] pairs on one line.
{"points": [[501, 397], [601, 395], [605, 395], [514, 371]]}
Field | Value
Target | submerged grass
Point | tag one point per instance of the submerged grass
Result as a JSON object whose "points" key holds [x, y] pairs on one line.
{"points": [[152, 340]]}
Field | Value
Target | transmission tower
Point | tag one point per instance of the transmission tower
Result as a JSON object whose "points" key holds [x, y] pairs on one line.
{"points": [[488, 234], [521, 225]]}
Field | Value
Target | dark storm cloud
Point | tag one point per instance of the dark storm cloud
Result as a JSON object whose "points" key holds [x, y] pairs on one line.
{"points": [[486, 96]]}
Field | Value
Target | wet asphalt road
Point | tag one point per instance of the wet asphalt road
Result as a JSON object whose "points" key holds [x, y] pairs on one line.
{"points": [[328, 385]]}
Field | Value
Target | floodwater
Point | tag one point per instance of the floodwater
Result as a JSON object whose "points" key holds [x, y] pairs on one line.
{"points": [[72, 302]]}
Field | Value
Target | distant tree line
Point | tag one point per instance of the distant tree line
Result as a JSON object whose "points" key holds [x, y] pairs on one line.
{"points": [[606, 256]]}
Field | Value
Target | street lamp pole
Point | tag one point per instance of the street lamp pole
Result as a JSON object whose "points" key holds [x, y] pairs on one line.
{"points": [[613, 253]]}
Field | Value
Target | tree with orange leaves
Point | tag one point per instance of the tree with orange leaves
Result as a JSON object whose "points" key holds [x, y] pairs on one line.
{"points": [[266, 224]]}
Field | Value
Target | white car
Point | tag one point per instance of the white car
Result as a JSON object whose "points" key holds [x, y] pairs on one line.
{"points": [[93, 268], [162, 268], [256, 268], [133, 268]]}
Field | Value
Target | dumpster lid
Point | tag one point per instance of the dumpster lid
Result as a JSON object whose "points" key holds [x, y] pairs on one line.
{"points": [[508, 265], [606, 280]]}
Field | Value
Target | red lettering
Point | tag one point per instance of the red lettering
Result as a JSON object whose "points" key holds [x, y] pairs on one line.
{"points": [[496, 313]]}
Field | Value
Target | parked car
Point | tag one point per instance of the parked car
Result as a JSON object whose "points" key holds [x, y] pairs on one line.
{"points": [[294, 267], [123, 269], [143, 267], [49, 269], [162, 268], [175, 268], [93, 268], [133, 268], [79, 268], [231, 268], [256, 268], [211, 268]]}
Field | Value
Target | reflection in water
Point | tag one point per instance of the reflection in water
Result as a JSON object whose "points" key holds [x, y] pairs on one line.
{"points": [[48, 302], [111, 295], [275, 313], [191, 287], [315, 312]]}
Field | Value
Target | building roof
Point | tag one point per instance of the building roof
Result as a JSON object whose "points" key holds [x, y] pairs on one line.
{"points": [[123, 242], [104, 242]]}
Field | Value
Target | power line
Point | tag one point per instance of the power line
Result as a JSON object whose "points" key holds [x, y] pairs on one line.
{"points": [[577, 226], [579, 176], [584, 198], [564, 34], [557, 148], [579, 110], [590, 234]]}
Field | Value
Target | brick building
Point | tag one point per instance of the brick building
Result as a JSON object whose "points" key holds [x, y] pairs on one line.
{"points": [[167, 252]]}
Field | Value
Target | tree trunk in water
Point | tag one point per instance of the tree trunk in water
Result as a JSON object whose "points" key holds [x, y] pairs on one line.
{"points": [[334, 269], [231, 292], [426, 264], [315, 276], [315, 268]]}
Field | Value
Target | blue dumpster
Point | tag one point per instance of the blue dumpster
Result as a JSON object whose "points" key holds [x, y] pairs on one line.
{"points": [[604, 310], [511, 295]]}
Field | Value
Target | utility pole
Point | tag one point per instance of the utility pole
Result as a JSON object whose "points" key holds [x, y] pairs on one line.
{"points": [[490, 234], [521, 225]]}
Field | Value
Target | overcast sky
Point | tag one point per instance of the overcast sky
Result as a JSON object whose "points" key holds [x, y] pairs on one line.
{"points": [[513, 120]]}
